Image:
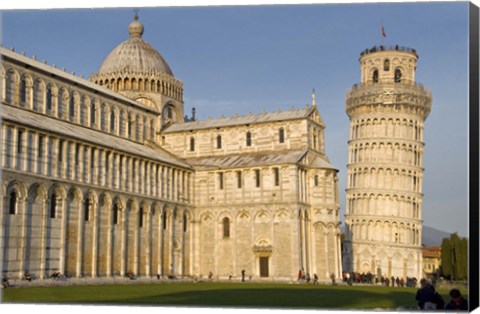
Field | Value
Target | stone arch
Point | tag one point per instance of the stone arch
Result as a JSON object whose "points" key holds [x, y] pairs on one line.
{"points": [[206, 217], [38, 95], [84, 110], [35, 215], [114, 120], [19, 187], [25, 90], [12, 80], [74, 106], [243, 216], [93, 112], [104, 118], [123, 123]]}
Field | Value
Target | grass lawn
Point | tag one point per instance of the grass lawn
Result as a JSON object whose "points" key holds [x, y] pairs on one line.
{"points": [[244, 295]]}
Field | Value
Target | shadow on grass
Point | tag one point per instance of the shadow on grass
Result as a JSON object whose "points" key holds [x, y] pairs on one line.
{"points": [[282, 298]]}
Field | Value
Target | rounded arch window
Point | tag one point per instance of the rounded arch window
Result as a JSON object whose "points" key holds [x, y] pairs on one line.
{"points": [[49, 98], [249, 138], [23, 90], [168, 115], [398, 75], [53, 205], [386, 65], [226, 227], [192, 144], [13, 203], [375, 76]]}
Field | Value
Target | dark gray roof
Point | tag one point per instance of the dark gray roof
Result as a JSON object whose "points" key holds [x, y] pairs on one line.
{"points": [[241, 120], [255, 160]]}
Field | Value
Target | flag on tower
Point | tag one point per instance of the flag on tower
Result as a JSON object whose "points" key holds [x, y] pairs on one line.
{"points": [[384, 35]]}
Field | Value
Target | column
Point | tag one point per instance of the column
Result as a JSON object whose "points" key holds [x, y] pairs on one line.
{"points": [[146, 179], [136, 241], [80, 165], [313, 249], [149, 235], [108, 169], [110, 227], [94, 208], [88, 167], [70, 174], [123, 262], [34, 153], [335, 241], [300, 241], [172, 241], [102, 167], [80, 221], [124, 174], [54, 157], [116, 171], [60, 158], [129, 175], [63, 237], [195, 262], [160, 243], [43, 239], [96, 166], [4, 145], [325, 237], [13, 148], [307, 242], [142, 178], [304, 241]]}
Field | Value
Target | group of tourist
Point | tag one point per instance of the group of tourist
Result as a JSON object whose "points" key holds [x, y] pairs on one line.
{"points": [[369, 278], [305, 277], [429, 299]]}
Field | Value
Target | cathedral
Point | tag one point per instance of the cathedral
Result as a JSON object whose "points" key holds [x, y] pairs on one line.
{"points": [[107, 177]]}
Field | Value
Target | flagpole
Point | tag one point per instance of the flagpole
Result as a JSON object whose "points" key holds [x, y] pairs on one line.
{"points": [[382, 33]]}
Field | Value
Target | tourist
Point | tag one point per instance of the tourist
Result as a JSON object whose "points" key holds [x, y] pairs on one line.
{"points": [[308, 278], [427, 298], [299, 274], [243, 275], [332, 276], [349, 282], [315, 279], [457, 302]]}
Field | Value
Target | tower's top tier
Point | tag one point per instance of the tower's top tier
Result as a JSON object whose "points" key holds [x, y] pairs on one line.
{"points": [[394, 64]]}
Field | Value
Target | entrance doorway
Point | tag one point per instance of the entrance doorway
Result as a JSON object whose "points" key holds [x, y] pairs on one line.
{"points": [[263, 266]]}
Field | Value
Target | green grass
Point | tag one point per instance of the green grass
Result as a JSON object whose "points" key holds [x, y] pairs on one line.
{"points": [[222, 294]]}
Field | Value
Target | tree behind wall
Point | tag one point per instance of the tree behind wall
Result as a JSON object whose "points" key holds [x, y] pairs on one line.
{"points": [[455, 257]]}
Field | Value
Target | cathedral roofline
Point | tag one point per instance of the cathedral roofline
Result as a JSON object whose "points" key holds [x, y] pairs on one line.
{"points": [[70, 78], [277, 116], [70, 130]]}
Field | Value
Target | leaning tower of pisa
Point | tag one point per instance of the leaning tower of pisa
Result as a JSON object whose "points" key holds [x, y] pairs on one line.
{"points": [[387, 111]]}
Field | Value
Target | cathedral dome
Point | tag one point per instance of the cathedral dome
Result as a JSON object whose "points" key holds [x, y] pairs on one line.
{"points": [[134, 55]]}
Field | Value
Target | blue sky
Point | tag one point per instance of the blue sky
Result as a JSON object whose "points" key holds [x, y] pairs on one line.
{"points": [[241, 59]]}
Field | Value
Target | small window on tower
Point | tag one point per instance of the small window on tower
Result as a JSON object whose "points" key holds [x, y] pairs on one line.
{"points": [[249, 138], [281, 135], [386, 65], [398, 76], [375, 76], [192, 144], [226, 227]]}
